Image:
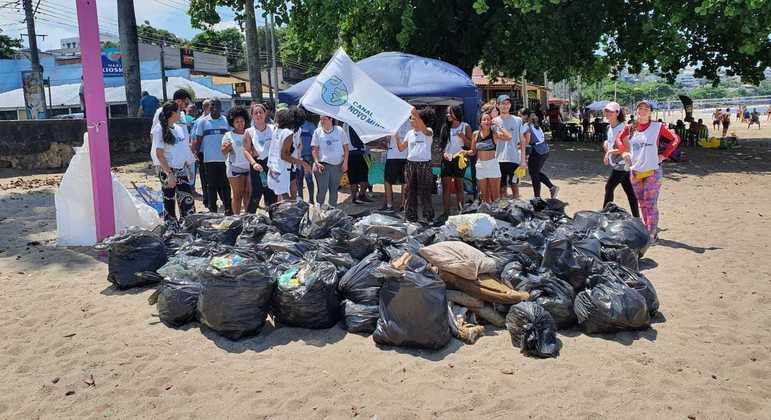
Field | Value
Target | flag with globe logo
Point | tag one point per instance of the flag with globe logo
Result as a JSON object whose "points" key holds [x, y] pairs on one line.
{"points": [[343, 91]]}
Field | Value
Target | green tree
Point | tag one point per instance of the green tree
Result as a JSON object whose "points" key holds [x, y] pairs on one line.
{"points": [[561, 37], [228, 41], [8, 45], [151, 35]]}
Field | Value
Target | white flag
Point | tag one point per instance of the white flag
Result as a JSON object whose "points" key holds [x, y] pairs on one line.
{"points": [[344, 92]]}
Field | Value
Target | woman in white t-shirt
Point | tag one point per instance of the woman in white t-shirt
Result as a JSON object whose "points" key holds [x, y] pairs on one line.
{"points": [[172, 155], [453, 140], [330, 159], [236, 163], [280, 159], [619, 175], [418, 178], [256, 149]]}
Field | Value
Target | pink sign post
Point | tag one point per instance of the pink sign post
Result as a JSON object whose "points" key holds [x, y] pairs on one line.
{"points": [[96, 118]]}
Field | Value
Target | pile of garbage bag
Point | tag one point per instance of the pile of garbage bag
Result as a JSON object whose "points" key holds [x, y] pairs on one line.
{"points": [[525, 266]]}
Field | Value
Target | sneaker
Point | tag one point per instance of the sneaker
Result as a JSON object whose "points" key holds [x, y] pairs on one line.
{"points": [[387, 207], [554, 191]]}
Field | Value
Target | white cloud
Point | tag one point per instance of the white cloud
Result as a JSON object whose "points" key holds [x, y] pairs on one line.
{"points": [[225, 25]]}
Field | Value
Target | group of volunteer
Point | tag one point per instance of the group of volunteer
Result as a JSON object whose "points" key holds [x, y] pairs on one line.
{"points": [[254, 155]]}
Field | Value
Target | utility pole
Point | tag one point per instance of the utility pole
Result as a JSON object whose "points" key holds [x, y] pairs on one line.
{"points": [[253, 52], [163, 74], [37, 71], [127, 29], [267, 60], [273, 54]]}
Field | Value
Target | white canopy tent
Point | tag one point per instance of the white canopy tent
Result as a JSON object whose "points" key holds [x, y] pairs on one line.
{"points": [[69, 95]]}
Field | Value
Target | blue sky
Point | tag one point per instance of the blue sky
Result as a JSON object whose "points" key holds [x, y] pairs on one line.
{"points": [[57, 19]]}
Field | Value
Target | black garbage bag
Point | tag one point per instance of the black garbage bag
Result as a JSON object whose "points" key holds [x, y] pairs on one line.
{"points": [[396, 249], [587, 220], [552, 293], [361, 245], [413, 309], [533, 231], [306, 295], [532, 329], [427, 236], [572, 261], [636, 281], [201, 248], [609, 305], [360, 318], [176, 240], [631, 233], [178, 300], [550, 207], [512, 211], [285, 244], [342, 262], [477, 207], [133, 253], [287, 215], [192, 222], [384, 227], [224, 231], [613, 212], [254, 229], [362, 283], [622, 255], [235, 297], [281, 261], [318, 223]]}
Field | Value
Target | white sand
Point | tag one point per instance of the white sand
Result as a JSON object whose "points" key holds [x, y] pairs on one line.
{"points": [[61, 323]]}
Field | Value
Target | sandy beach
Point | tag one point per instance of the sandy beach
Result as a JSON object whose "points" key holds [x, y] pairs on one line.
{"points": [[74, 347]]}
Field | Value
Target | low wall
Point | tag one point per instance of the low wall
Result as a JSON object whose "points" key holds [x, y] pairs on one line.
{"points": [[48, 144]]}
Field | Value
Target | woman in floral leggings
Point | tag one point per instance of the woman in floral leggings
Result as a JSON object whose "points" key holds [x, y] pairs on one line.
{"points": [[638, 144]]}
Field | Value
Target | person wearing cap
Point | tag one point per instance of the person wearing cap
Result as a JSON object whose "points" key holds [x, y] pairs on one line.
{"points": [[619, 175], [509, 152], [638, 145]]}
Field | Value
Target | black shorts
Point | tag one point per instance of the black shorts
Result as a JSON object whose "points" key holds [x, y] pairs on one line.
{"points": [[726, 123], [358, 171], [451, 168], [507, 173], [394, 171]]}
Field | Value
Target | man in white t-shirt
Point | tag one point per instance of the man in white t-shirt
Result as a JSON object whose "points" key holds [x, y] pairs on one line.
{"points": [[509, 152]]}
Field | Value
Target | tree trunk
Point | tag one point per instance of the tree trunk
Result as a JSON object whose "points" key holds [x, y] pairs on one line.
{"points": [[127, 29], [253, 52]]}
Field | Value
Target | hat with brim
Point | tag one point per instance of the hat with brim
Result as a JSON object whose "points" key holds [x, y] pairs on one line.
{"points": [[644, 102], [612, 107], [502, 98]]}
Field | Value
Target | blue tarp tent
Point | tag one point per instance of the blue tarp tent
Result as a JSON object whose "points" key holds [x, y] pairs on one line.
{"points": [[416, 79]]}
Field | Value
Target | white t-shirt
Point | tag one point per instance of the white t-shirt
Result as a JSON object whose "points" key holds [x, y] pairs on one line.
{"points": [[177, 154], [508, 151], [393, 149], [616, 161], [330, 145], [236, 158], [156, 117], [275, 162], [645, 148], [418, 146], [455, 144], [261, 141]]}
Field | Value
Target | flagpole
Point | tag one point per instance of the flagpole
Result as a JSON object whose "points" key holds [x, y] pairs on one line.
{"points": [[96, 118]]}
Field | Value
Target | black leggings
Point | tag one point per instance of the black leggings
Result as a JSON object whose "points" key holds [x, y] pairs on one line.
{"points": [[217, 184], [534, 165], [621, 177], [201, 167], [258, 189]]}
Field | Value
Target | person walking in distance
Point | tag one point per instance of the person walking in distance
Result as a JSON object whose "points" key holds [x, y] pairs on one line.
{"points": [[540, 152], [726, 121]]}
